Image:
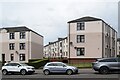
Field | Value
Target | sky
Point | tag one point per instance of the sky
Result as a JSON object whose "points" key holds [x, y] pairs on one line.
{"points": [[49, 17]]}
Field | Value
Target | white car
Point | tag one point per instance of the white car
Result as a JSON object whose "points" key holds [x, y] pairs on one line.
{"points": [[17, 68]]}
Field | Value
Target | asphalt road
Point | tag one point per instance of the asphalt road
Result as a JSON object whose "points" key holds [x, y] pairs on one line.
{"points": [[86, 74]]}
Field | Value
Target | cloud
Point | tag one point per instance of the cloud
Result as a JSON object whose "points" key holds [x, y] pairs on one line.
{"points": [[49, 18]]}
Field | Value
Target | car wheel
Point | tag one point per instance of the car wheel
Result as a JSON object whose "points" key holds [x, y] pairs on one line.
{"points": [[104, 70], [46, 72], [69, 72], [4, 72], [23, 72]]}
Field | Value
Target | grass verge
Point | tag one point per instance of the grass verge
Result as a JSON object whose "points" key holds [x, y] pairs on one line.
{"points": [[82, 65]]}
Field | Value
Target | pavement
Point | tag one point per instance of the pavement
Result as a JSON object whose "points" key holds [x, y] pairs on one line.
{"points": [[86, 74]]}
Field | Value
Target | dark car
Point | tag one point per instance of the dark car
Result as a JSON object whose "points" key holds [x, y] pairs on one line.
{"points": [[105, 65]]}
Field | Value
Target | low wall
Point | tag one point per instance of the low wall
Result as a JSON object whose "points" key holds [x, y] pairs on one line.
{"points": [[74, 60], [81, 60]]}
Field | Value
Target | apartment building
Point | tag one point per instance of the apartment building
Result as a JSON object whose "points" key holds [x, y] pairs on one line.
{"points": [[118, 46], [57, 49], [19, 44], [90, 38]]}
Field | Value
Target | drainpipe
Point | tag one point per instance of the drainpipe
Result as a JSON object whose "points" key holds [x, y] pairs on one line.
{"points": [[58, 49]]}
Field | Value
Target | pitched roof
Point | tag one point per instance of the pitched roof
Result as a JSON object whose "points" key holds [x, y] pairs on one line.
{"points": [[84, 19], [19, 29]]}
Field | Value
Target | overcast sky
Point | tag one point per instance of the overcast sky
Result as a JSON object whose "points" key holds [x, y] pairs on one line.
{"points": [[49, 17]]}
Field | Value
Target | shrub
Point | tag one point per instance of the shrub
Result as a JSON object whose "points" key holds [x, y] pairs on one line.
{"points": [[0, 64], [31, 60], [38, 63], [118, 55]]}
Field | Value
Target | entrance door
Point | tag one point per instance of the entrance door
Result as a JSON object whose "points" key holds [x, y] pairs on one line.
{"points": [[3, 57]]}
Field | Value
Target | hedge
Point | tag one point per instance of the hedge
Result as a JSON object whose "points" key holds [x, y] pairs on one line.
{"points": [[0, 64], [118, 55], [31, 60], [39, 63]]}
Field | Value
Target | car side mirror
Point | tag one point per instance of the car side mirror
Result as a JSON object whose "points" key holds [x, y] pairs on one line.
{"points": [[64, 65], [18, 65]]}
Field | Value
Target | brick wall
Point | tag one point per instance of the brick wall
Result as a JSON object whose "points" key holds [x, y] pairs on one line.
{"points": [[81, 60]]}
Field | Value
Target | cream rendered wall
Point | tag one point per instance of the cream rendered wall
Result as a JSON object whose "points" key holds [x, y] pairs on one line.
{"points": [[36, 43], [0, 47], [56, 47], [93, 39], [118, 47], [65, 48], [110, 40], [33, 46], [46, 52], [17, 40]]}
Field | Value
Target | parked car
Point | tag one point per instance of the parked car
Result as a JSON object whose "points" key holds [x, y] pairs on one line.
{"points": [[59, 67], [17, 68], [106, 65]]}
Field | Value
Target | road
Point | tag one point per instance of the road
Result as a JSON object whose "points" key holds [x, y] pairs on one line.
{"points": [[86, 74]]}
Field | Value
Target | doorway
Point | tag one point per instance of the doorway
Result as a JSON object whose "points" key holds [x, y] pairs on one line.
{"points": [[3, 57]]}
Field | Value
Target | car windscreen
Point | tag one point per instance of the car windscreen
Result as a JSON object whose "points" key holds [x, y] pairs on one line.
{"points": [[23, 64], [118, 59], [108, 60]]}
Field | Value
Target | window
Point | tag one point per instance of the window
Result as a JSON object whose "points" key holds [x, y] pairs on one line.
{"points": [[60, 51], [80, 38], [7, 65], [55, 49], [108, 60], [80, 26], [51, 64], [12, 57], [60, 64], [11, 36], [80, 51], [22, 57], [14, 64], [22, 35], [11, 46], [118, 59], [66, 54], [22, 46], [61, 44]]}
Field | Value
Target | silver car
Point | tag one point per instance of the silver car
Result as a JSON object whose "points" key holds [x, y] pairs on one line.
{"points": [[106, 65], [59, 67]]}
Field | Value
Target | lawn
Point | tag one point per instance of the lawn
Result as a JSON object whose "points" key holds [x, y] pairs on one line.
{"points": [[82, 65]]}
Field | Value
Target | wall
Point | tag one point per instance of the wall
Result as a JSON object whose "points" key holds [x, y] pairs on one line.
{"points": [[93, 40], [36, 43], [16, 51], [110, 41], [0, 47], [118, 47]]}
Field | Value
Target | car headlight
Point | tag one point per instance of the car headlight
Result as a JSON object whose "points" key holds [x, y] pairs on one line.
{"points": [[28, 68]]}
